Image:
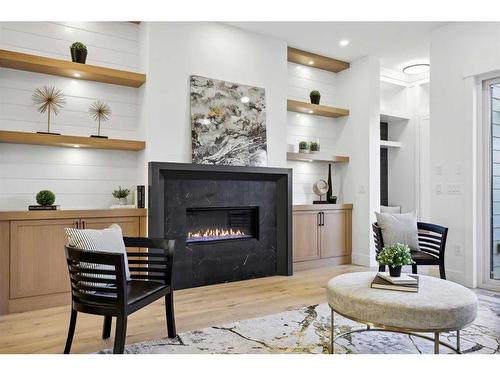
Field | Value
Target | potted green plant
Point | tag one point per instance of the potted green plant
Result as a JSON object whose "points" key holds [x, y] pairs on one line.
{"points": [[45, 198], [78, 52], [315, 97], [121, 195], [303, 147], [314, 147], [395, 256]]}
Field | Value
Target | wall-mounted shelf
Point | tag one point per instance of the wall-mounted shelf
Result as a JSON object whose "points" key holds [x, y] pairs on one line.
{"points": [[394, 117], [70, 141], [63, 68], [315, 109], [313, 60], [390, 144], [325, 158]]}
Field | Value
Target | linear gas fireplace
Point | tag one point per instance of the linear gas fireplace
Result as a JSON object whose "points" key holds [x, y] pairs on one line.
{"points": [[209, 224], [231, 223]]}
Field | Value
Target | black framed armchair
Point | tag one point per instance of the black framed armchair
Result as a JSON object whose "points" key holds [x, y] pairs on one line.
{"points": [[99, 285], [432, 244]]}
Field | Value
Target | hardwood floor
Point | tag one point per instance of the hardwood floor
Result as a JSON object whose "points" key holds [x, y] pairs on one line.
{"points": [[44, 331]]}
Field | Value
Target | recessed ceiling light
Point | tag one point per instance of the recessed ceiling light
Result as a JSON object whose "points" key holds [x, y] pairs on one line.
{"points": [[416, 68], [310, 111], [245, 99], [344, 43], [77, 75], [76, 146], [311, 62]]}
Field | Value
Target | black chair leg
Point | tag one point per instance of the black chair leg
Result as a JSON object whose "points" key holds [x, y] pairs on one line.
{"points": [[414, 269], [169, 311], [71, 331], [121, 333], [106, 327], [442, 272]]}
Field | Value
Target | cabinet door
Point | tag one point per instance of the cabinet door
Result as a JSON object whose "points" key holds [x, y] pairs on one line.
{"points": [[305, 235], [129, 225], [38, 263], [335, 234]]}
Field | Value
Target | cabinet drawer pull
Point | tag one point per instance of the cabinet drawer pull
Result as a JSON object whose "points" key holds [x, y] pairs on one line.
{"points": [[76, 224], [83, 224]]}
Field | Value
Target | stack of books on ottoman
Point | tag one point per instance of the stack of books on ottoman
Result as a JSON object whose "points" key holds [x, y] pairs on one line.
{"points": [[404, 283]]}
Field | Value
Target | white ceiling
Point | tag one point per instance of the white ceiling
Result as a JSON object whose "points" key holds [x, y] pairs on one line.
{"points": [[396, 43]]}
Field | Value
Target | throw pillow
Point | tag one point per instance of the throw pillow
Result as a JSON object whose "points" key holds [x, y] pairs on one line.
{"points": [[107, 240], [399, 228]]}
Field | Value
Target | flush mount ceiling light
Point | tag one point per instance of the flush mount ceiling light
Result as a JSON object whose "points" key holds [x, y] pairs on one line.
{"points": [[311, 62], [343, 43], [416, 68], [245, 99]]}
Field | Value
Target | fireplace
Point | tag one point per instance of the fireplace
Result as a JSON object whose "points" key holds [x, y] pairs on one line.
{"points": [[209, 224], [230, 223]]}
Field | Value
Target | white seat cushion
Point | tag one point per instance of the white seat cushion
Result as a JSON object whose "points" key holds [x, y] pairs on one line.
{"points": [[107, 240], [439, 305]]}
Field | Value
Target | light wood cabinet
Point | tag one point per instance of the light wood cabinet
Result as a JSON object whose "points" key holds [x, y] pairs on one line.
{"points": [[322, 232], [33, 243], [37, 260], [305, 236], [335, 234]]}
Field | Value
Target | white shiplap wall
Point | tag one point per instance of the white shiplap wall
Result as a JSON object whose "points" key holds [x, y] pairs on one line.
{"points": [[80, 178], [301, 81]]}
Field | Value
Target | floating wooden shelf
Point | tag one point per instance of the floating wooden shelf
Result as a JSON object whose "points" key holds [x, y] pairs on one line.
{"points": [[70, 141], [394, 117], [321, 62], [297, 156], [315, 109], [390, 144], [63, 68]]}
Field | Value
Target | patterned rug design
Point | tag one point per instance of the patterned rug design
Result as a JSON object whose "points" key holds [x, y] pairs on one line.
{"points": [[307, 330]]}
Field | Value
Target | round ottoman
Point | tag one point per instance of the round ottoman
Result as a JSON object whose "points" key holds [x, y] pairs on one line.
{"points": [[438, 306]]}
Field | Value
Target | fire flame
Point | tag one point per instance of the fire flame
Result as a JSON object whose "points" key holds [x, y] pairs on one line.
{"points": [[215, 233]]}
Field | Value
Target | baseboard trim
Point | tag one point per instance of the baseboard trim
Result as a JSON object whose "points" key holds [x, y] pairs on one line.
{"points": [[39, 302], [319, 263]]}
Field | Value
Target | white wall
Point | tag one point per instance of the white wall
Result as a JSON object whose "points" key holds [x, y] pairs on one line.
{"points": [[359, 139], [461, 54], [179, 50], [80, 178]]}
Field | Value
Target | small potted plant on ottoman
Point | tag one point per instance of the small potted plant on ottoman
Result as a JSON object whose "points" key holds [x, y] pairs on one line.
{"points": [[315, 97], [78, 52], [395, 256]]}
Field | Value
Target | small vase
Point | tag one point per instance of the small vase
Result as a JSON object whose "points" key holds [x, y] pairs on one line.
{"points": [[78, 55], [122, 201], [303, 150], [395, 271]]}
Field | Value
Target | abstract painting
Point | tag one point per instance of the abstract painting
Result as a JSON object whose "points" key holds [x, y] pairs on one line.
{"points": [[228, 123]]}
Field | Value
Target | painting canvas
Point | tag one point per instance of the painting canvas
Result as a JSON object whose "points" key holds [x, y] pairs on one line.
{"points": [[228, 123]]}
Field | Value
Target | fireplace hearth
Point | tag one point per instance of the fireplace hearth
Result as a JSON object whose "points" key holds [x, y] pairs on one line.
{"points": [[231, 223]]}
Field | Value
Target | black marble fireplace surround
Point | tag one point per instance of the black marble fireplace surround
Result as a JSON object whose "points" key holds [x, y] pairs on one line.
{"points": [[232, 223]]}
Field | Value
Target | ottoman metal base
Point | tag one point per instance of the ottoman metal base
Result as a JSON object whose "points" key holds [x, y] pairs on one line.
{"points": [[378, 328]]}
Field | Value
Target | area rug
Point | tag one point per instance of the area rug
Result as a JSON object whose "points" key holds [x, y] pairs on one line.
{"points": [[307, 330]]}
